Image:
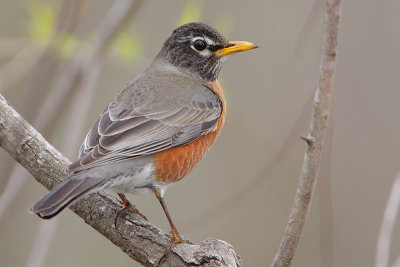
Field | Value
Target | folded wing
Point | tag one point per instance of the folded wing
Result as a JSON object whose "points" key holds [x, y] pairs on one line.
{"points": [[127, 131]]}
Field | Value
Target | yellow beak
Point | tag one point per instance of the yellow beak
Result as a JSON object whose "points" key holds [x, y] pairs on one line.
{"points": [[235, 46]]}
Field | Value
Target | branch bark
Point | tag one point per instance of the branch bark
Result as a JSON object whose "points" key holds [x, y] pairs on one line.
{"points": [[315, 138], [139, 239]]}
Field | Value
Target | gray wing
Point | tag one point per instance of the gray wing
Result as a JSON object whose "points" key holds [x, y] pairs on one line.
{"points": [[148, 123]]}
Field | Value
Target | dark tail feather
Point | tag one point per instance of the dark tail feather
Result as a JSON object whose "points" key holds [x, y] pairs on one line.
{"points": [[61, 196]]}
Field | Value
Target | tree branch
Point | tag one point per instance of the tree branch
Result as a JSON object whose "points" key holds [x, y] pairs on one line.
{"points": [[314, 139], [139, 239]]}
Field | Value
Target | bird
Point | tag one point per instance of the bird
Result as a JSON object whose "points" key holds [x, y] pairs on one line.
{"points": [[157, 129]]}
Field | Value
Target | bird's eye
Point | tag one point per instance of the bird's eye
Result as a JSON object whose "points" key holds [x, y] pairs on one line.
{"points": [[200, 45]]}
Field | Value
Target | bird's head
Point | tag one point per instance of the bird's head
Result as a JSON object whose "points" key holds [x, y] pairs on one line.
{"points": [[199, 50]]}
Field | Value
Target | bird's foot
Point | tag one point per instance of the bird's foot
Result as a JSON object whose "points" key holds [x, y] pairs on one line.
{"points": [[176, 239], [128, 206]]}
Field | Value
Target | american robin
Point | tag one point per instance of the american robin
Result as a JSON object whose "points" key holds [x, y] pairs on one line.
{"points": [[157, 128]]}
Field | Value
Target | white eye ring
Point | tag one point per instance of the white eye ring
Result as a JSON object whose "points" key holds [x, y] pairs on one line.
{"points": [[202, 51]]}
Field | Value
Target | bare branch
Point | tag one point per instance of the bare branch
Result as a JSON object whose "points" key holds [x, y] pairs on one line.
{"points": [[388, 222], [141, 240], [316, 134]]}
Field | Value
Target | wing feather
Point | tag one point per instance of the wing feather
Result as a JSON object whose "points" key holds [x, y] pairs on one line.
{"points": [[151, 125]]}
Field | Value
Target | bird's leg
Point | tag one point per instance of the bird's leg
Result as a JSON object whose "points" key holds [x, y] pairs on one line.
{"points": [[176, 237], [128, 206]]}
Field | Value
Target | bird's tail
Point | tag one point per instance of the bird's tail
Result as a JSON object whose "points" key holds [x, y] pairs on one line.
{"points": [[61, 196]]}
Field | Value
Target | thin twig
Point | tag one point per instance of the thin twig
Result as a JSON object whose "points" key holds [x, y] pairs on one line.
{"points": [[387, 226], [315, 136]]}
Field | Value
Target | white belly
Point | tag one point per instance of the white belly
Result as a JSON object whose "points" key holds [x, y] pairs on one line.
{"points": [[140, 181]]}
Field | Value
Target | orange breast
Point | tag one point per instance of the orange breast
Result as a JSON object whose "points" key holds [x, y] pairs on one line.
{"points": [[173, 164]]}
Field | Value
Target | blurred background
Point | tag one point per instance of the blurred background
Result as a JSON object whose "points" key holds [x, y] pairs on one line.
{"points": [[61, 63]]}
